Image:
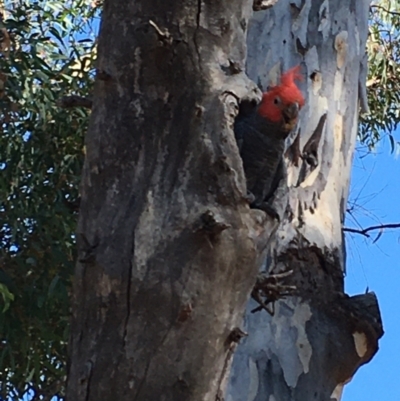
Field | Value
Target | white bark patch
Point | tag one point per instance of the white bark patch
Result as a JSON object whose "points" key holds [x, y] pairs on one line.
{"points": [[254, 380], [348, 158], [341, 48], [317, 83], [316, 106], [302, 343], [338, 86], [136, 107], [271, 398], [111, 194], [337, 392], [311, 179], [274, 74], [361, 344], [358, 41], [299, 28], [311, 60], [294, 357], [104, 289], [325, 23], [145, 235], [338, 139], [106, 285], [184, 176], [321, 228]]}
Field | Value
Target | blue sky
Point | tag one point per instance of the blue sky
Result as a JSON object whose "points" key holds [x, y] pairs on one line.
{"points": [[376, 189]]}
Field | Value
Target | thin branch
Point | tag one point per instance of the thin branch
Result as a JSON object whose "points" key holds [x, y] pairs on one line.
{"points": [[385, 9], [365, 231], [74, 101]]}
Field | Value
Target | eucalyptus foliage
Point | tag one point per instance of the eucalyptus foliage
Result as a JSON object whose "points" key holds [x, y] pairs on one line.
{"points": [[49, 55], [383, 84]]}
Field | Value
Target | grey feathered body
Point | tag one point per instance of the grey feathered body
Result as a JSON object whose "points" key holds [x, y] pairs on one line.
{"points": [[261, 144]]}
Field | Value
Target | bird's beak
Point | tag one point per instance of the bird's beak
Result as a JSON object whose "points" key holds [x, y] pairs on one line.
{"points": [[291, 112]]}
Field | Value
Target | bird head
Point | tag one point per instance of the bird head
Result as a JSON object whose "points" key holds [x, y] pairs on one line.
{"points": [[282, 103]]}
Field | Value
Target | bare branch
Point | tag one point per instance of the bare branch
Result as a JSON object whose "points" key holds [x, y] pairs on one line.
{"points": [[74, 101], [385, 9], [365, 231]]}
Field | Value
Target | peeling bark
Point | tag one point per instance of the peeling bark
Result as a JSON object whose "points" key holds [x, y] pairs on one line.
{"points": [[318, 336]]}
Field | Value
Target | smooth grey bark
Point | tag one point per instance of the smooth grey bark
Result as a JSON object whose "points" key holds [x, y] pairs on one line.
{"points": [[168, 247], [318, 337]]}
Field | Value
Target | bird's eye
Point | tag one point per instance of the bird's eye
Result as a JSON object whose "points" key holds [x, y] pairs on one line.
{"points": [[277, 100]]}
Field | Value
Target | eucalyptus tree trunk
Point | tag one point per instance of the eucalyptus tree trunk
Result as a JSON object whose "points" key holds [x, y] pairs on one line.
{"points": [[318, 336], [169, 250]]}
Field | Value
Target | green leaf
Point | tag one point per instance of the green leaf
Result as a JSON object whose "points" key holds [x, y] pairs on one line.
{"points": [[7, 296]]}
